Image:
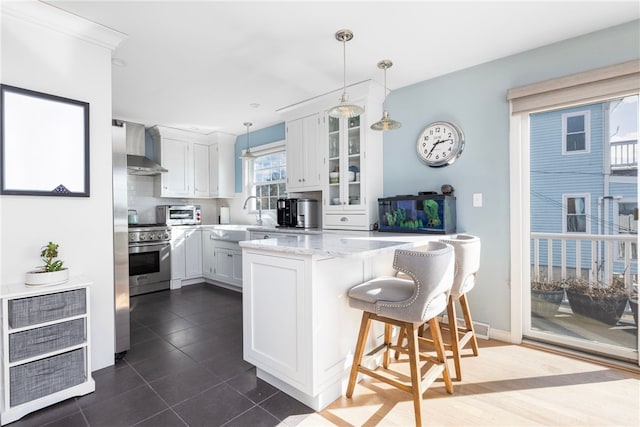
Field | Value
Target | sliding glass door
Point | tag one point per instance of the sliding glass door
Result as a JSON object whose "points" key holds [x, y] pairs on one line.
{"points": [[582, 290]]}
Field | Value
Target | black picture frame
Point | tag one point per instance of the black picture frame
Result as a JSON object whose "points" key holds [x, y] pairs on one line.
{"points": [[44, 144]]}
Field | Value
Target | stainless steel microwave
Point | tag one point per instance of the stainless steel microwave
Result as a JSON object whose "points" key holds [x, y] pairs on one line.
{"points": [[178, 214]]}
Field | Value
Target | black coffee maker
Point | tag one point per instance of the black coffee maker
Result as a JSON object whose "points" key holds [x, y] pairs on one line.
{"points": [[287, 212]]}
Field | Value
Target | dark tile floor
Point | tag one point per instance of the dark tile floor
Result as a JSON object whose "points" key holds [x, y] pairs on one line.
{"points": [[184, 368]]}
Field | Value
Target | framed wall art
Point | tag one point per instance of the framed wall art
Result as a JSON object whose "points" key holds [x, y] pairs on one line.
{"points": [[44, 144]]}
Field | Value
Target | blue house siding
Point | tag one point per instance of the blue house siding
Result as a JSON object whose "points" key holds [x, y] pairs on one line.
{"points": [[626, 190], [554, 175]]}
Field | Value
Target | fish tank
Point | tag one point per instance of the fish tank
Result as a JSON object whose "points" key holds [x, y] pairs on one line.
{"points": [[429, 214]]}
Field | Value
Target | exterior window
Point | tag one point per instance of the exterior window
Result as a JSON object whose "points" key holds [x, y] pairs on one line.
{"points": [[576, 219], [628, 224], [575, 133], [267, 175]]}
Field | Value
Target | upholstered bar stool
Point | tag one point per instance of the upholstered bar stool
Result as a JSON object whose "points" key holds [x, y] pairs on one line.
{"points": [[407, 303], [467, 250]]}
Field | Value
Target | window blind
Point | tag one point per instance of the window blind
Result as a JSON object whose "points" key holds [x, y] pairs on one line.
{"points": [[606, 82]]}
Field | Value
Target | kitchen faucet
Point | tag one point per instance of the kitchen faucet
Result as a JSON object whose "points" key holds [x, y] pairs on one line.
{"points": [[259, 220]]}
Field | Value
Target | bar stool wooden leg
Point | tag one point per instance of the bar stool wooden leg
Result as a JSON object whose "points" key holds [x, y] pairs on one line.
{"points": [[401, 334], [434, 326], [387, 342], [416, 377], [357, 357], [469, 323], [453, 331]]}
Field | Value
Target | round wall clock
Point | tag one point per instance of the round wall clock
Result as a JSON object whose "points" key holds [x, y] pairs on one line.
{"points": [[440, 144]]}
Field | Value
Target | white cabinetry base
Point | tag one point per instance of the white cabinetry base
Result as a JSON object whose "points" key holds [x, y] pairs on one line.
{"points": [[330, 393], [16, 412]]}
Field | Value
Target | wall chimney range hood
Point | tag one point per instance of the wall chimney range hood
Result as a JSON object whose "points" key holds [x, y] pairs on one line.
{"points": [[137, 162]]}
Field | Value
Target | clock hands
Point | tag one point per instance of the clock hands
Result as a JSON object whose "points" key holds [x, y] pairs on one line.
{"points": [[440, 141], [433, 148]]}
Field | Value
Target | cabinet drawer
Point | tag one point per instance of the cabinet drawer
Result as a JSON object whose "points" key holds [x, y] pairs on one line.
{"points": [[46, 376], [46, 308], [346, 221], [33, 342]]}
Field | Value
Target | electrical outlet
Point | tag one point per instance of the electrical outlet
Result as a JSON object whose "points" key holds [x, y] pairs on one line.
{"points": [[477, 200]]}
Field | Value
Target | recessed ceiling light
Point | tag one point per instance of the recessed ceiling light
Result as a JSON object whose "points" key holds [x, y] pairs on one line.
{"points": [[254, 105], [119, 62]]}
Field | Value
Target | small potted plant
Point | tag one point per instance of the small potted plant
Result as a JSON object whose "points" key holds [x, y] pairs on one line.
{"points": [[546, 297], [52, 272], [597, 300]]}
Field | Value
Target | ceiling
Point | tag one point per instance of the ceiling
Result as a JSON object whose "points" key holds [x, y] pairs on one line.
{"points": [[210, 65]]}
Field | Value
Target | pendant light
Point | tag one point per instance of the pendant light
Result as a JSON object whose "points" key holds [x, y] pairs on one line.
{"points": [[247, 153], [386, 122], [344, 109]]}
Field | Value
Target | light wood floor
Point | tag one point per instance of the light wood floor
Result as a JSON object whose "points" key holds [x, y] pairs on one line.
{"points": [[506, 385]]}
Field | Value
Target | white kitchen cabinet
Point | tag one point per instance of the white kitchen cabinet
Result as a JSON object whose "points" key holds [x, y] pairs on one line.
{"points": [[177, 160], [199, 166], [186, 255], [276, 317], [222, 260], [193, 254], [354, 174], [201, 170], [304, 154], [46, 353], [222, 167], [228, 265]]}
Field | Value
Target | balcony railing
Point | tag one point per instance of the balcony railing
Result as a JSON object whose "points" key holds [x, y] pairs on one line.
{"points": [[624, 155], [592, 256]]}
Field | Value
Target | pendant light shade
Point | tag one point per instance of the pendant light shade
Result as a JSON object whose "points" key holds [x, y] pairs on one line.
{"points": [[386, 122], [247, 153], [345, 109]]}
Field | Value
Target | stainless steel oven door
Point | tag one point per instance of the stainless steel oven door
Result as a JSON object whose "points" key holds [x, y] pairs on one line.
{"points": [[149, 267]]}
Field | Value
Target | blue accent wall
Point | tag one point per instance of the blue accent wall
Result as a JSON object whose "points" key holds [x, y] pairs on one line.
{"points": [[256, 138], [475, 99]]}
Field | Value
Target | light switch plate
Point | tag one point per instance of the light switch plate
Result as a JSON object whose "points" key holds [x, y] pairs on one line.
{"points": [[477, 200]]}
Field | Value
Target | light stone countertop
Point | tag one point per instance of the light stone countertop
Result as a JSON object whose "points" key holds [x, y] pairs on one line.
{"points": [[335, 243]]}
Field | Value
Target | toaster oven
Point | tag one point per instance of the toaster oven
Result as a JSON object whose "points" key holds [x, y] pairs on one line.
{"points": [[178, 214]]}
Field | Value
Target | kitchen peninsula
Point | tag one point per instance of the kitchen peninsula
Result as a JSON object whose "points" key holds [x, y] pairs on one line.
{"points": [[298, 328]]}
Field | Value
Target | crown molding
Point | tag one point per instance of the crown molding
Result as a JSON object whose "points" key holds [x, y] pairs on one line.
{"points": [[53, 18]]}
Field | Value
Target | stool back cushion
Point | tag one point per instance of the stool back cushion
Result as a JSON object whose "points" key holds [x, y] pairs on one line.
{"points": [[467, 255], [431, 270]]}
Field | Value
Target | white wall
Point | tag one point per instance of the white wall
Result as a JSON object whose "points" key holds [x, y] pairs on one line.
{"points": [[46, 60]]}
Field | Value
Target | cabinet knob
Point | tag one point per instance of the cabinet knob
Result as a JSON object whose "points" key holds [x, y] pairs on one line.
{"points": [[344, 219]]}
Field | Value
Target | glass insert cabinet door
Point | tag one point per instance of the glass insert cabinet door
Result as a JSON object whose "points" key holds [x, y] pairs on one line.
{"points": [[345, 163]]}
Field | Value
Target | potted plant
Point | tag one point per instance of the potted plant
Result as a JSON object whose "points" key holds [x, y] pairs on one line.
{"points": [[599, 301], [546, 297], [52, 272]]}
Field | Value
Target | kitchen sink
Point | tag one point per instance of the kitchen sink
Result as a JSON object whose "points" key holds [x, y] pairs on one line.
{"points": [[232, 232]]}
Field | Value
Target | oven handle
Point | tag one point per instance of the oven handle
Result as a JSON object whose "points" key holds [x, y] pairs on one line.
{"points": [[149, 244]]}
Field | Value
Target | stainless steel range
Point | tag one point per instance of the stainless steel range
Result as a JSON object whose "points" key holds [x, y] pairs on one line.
{"points": [[149, 258]]}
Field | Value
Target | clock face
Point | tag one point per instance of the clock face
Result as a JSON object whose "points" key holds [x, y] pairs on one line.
{"points": [[440, 144]]}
